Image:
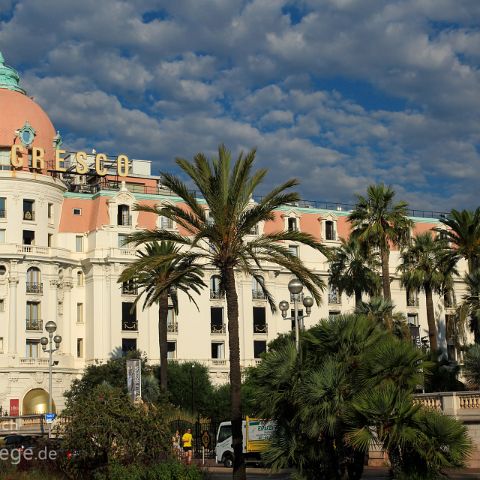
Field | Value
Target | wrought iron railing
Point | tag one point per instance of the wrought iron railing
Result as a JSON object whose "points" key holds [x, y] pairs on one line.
{"points": [[216, 294], [29, 215], [172, 327], [34, 287], [218, 328], [129, 325], [260, 328], [334, 298], [412, 302], [258, 295], [34, 324]]}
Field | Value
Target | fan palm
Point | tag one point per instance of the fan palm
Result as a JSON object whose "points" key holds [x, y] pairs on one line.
{"points": [[160, 271], [472, 367], [426, 264], [353, 269], [463, 234], [379, 222], [219, 231]]}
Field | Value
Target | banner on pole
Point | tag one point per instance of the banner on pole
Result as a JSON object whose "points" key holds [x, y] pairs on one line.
{"points": [[134, 379]]}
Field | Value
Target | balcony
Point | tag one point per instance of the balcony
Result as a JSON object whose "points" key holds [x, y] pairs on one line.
{"points": [[260, 328], [33, 287], [258, 295], [3, 214], [172, 327], [129, 325], [216, 295], [218, 329], [29, 215], [34, 325]]}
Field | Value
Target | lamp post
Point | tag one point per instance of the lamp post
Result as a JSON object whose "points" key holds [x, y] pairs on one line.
{"points": [[295, 287], [50, 327]]}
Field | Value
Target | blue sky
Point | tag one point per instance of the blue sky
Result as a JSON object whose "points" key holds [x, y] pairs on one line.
{"points": [[338, 93]]}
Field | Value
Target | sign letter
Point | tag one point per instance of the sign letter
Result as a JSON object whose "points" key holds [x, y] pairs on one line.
{"points": [[14, 160], [99, 158], [58, 160], [122, 166], [82, 167], [38, 158]]}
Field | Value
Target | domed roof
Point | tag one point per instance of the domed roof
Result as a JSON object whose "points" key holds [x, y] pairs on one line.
{"points": [[22, 122]]}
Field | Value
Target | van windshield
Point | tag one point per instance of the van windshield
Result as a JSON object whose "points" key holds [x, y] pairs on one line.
{"points": [[224, 433]]}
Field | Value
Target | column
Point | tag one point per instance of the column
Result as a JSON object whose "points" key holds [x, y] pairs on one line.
{"points": [[107, 301], [12, 309], [65, 331]]}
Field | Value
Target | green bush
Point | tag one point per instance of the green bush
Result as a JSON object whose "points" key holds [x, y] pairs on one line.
{"points": [[161, 471]]}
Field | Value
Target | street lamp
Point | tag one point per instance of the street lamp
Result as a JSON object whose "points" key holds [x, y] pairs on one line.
{"points": [[295, 287], [51, 328]]}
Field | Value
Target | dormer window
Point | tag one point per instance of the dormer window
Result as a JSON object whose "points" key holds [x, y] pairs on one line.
{"points": [[330, 230], [292, 224], [123, 215]]}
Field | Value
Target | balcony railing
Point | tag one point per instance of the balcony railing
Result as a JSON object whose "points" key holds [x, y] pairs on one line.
{"points": [[29, 215], [3, 213], [260, 328], [172, 327], [216, 294], [258, 295], [33, 287], [125, 221], [34, 325], [412, 302], [129, 325], [218, 328]]}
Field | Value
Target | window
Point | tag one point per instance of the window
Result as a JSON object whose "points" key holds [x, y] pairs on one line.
{"points": [[28, 237], [129, 316], [259, 320], [129, 288], [79, 347], [333, 313], [3, 270], [2, 236], [50, 211], [122, 240], [172, 325], [2, 304], [50, 240], [293, 249], [77, 211], [171, 349], [412, 319], [412, 298], [334, 296], [215, 287], [29, 210], [33, 316], [292, 315], [259, 347], [79, 243], [79, 312], [80, 278], [1, 344], [330, 233], [257, 292], [34, 281], [218, 350], [449, 299], [451, 336], [128, 345], [224, 434], [216, 320], [166, 223], [123, 215], [292, 224], [3, 207], [32, 348]]}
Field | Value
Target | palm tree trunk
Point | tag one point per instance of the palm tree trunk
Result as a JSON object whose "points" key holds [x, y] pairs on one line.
{"points": [[239, 472], [385, 255], [432, 327], [162, 339], [358, 297]]}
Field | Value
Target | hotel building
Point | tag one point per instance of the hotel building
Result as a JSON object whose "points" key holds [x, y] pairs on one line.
{"points": [[62, 249]]}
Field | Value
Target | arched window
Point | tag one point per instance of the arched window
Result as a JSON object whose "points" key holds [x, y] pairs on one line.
{"points": [[80, 278], [330, 230], [34, 280], [123, 215], [215, 287]]}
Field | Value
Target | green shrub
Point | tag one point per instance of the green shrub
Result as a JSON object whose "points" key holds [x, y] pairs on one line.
{"points": [[170, 470]]}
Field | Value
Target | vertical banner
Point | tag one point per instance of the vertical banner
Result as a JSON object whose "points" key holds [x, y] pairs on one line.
{"points": [[134, 379], [14, 407]]}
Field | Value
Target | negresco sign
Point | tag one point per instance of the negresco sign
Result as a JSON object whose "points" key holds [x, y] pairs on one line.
{"points": [[80, 167]]}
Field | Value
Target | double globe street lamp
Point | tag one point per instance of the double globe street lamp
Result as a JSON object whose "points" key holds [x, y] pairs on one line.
{"points": [[295, 288], [51, 328]]}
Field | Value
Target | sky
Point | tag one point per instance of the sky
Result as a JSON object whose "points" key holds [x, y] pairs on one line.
{"points": [[337, 93]]}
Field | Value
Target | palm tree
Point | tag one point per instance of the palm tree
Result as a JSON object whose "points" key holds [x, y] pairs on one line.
{"points": [[378, 222], [159, 272], [470, 306], [220, 233], [463, 234], [471, 369], [353, 269], [426, 264]]}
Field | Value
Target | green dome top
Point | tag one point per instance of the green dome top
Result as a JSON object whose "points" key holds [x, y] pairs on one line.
{"points": [[9, 78]]}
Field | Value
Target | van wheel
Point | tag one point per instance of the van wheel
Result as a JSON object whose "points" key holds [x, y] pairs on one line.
{"points": [[228, 461]]}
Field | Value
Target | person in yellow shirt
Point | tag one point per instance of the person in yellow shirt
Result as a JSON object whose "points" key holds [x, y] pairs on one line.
{"points": [[187, 445]]}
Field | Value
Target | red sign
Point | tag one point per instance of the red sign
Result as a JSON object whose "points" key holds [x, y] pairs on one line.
{"points": [[14, 407]]}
